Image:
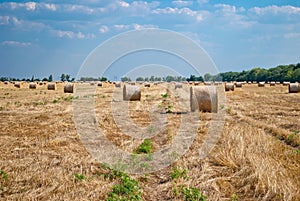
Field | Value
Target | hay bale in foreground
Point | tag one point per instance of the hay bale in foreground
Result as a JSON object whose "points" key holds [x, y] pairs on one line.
{"points": [[131, 93], [178, 86], [51, 86], [32, 85], [294, 88], [229, 86], [18, 85], [239, 84], [69, 88], [204, 98], [261, 84]]}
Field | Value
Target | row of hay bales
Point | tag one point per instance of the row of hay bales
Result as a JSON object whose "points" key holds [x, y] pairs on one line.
{"points": [[202, 98], [293, 87], [68, 87]]}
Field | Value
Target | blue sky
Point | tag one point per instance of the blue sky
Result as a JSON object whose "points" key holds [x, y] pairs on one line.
{"points": [[55, 36]]}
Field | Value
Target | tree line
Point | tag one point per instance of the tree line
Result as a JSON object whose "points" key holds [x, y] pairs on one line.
{"points": [[280, 73]]}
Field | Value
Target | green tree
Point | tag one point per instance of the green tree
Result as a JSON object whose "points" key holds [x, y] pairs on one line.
{"points": [[68, 77], [63, 77], [50, 79]]}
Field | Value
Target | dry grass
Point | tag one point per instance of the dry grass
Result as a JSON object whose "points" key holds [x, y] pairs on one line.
{"points": [[256, 158]]}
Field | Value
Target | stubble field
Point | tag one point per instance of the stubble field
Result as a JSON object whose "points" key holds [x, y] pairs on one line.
{"points": [[256, 157]]}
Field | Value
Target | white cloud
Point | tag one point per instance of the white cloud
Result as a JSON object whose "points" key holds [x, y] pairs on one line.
{"points": [[51, 7], [292, 35], [4, 20], [30, 5], [72, 35], [16, 43], [134, 26], [181, 3], [276, 10], [201, 2], [103, 29], [123, 4], [197, 15]]}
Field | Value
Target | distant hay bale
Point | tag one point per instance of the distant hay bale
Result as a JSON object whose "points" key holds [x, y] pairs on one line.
{"points": [[294, 88], [69, 88], [32, 85], [92, 83], [99, 84], [178, 86], [196, 83], [208, 83], [147, 84], [272, 83], [286, 83], [51, 86], [18, 85], [41, 83], [131, 93], [239, 84], [261, 84], [229, 86], [6, 82], [277, 82], [117, 84], [131, 83], [204, 98]]}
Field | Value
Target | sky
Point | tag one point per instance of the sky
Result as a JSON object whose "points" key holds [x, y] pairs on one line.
{"points": [[56, 36]]}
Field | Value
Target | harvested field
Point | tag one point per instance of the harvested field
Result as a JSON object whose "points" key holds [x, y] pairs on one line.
{"points": [[257, 156]]}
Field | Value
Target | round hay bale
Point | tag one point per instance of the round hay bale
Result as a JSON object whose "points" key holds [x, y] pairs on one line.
{"points": [[99, 84], [204, 98], [147, 84], [32, 85], [229, 86], [18, 84], [261, 84], [286, 83], [196, 83], [178, 86], [51, 86], [6, 82], [131, 93], [294, 88], [69, 88], [208, 83], [41, 83], [239, 84], [117, 84], [272, 83], [131, 83], [92, 83]]}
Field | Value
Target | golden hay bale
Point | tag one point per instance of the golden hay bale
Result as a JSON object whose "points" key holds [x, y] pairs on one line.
{"points": [[294, 88], [208, 83], [131, 83], [196, 83], [277, 82], [18, 84], [69, 88], [117, 84], [239, 84], [131, 93], [178, 85], [261, 84], [229, 86], [41, 83], [6, 82], [204, 98], [32, 85], [147, 84], [286, 83], [92, 83], [272, 83], [51, 86], [99, 84]]}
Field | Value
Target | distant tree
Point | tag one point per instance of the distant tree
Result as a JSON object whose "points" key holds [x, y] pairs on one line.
{"points": [[50, 79], [68, 77], [45, 79], [103, 79], [139, 79], [125, 79], [32, 78], [63, 77]]}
